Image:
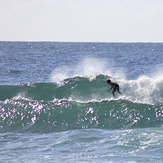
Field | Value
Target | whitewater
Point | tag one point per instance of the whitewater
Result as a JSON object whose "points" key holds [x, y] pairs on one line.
{"points": [[55, 105]]}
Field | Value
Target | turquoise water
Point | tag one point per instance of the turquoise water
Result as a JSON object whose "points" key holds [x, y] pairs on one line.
{"points": [[55, 105]]}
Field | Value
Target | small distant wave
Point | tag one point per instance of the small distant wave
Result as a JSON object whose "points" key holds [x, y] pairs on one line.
{"points": [[13, 71]]}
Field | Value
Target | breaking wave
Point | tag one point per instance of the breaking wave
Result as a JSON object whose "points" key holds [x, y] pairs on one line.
{"points": [[79, 102]]}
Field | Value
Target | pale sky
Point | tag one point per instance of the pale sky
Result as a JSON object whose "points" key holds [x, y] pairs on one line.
{"points": [[81, 20]]}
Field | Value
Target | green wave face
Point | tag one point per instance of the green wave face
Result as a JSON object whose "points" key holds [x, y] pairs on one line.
{"points": [[59, 115], [81, 88], [79, 103]]}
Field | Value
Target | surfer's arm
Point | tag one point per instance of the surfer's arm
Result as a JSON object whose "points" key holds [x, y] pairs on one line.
{"points": [[110, 88]]}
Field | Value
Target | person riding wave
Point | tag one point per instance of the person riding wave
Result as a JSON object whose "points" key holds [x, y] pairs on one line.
{"points": [[114, 86]]}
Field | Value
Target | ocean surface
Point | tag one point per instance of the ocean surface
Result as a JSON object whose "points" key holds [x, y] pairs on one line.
{"points": [[55, 105]]}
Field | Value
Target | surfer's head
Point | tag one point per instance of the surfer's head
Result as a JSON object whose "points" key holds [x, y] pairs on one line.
{"points": [[108, 81]]}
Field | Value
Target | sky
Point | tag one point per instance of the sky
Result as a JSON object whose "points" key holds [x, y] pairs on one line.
{"points": [[81, 20]]}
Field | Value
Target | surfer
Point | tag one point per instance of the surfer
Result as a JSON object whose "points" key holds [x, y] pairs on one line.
{"points": [[114, 86]]}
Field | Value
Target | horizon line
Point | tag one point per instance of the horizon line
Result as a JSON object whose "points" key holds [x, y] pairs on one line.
{"points": [[81, 41]]}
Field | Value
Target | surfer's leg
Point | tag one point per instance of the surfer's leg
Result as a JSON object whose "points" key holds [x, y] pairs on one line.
{"points": [[117, 88], [113, 92], [118, 91]]}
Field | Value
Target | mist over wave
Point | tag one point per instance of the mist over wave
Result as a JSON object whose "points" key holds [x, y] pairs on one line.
{"points": [[87, 68]]}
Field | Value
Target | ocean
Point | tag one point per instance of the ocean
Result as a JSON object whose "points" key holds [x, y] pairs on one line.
{"points": [[55, 105]]}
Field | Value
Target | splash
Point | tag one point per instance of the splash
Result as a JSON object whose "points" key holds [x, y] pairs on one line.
{"points": [[143, 90], [89, 68]]}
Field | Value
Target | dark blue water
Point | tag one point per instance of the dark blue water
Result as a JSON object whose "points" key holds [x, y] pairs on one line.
{"points": [[55, 105]]}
